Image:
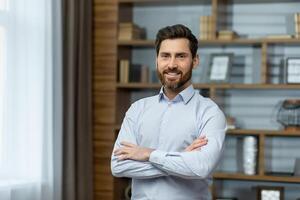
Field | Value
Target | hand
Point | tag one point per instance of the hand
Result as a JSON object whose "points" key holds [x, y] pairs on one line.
{"points": [[132, 152], [196, 144]]}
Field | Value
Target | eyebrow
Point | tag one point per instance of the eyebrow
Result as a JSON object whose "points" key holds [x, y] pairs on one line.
{"points": [[176, 54]]}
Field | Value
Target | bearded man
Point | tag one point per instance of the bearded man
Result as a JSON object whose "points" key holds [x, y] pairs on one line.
{"points": [[170, 143]]}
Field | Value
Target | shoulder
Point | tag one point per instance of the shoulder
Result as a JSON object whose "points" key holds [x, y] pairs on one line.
{"points": [[207, 106], [210, 115], [139, 105]]}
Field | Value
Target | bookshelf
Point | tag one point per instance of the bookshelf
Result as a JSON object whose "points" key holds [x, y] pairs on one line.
{"points": [[237, 176], [107, 90], [258, 42], [211, 86]]}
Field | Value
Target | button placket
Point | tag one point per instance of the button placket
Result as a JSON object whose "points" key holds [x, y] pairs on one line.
{"points": [[163, 124]]}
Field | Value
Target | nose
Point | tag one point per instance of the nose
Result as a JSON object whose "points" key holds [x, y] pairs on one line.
{"points": [[173, 63]]}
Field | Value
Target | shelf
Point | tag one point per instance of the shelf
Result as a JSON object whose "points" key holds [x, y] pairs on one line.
{"points": [[196, 1], [240, 176], [142, 43], [241, 41], [210, 86], [140, 1], [283, 41], [282, 133], [159, 1], [138, 85]]}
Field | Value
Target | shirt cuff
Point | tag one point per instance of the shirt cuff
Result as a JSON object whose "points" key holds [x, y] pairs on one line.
{"points": [[157, 157]]}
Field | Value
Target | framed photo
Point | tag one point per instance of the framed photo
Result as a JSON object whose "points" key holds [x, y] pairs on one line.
{"points": [[219, 67], [269, 193], [292, 71]]}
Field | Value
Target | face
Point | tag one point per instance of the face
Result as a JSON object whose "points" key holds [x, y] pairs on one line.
{"points": [[174, 63]]}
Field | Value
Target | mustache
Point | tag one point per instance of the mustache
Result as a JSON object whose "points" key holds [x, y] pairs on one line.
{"points": [[172, 71]]}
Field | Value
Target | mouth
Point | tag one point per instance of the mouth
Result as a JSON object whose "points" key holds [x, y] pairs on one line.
{"points": [[172, 75]]}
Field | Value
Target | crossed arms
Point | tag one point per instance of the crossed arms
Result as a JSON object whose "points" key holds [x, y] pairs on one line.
{"points": [[196, 161]]}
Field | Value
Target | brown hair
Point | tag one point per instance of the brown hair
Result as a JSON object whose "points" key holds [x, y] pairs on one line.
{"points": [[176, 31]]}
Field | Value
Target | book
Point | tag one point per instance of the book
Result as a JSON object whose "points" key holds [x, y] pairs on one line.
{"points": [[124, 71], [135, 73], [138, 73], [207, 28], [145, 74], [284, 36], [202, 26], [227, 35], [129, 31], [297, 25]]}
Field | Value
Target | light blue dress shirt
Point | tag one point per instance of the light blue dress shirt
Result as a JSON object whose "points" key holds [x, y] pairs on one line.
{"points": [[169, 126]]}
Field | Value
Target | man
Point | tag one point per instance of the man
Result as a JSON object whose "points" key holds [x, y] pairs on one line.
{"points": [[170, 143]]}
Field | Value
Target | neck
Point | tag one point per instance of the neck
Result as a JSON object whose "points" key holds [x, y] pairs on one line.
{"points": [[172, 93]]}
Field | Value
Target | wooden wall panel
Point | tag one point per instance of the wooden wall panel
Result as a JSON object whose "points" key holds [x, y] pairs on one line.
{"points": [[104, 94]]}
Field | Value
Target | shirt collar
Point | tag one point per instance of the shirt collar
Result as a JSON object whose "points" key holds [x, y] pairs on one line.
{"points": [[185, 94]]}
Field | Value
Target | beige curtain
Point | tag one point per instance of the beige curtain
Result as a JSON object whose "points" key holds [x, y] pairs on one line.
{"points": [[77, 112]]}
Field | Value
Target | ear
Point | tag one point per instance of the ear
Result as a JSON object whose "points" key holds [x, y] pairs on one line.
{"points": [[196, 61]]}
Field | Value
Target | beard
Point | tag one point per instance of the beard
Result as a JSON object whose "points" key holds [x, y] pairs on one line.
{"points": [[175, 85]]}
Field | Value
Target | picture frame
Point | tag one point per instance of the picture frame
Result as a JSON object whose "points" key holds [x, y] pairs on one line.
{"points": [[219, 67], [292, 70], [270, 193], [297, 167]]}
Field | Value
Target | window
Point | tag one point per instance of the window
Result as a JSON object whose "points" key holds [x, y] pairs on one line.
{"points": [[26, 117], [2, 71], [3, 13], [3, 4]]}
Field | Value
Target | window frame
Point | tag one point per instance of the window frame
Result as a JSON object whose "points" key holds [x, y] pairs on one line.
{"points": [[5, 29]]}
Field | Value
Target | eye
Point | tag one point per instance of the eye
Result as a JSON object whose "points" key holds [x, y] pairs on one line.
{"points": [[164, 55], [181, 56]]}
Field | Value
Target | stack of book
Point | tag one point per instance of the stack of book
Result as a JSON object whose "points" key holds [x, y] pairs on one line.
{"points": [[297, 25], [207, 28], [130, 31], [227, 35], [135, 73]]}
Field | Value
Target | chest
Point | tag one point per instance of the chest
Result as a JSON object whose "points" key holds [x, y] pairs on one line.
{"points": [[169, 127]]}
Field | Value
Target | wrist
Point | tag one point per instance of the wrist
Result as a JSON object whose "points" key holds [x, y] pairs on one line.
{"points": [[148, 153]]}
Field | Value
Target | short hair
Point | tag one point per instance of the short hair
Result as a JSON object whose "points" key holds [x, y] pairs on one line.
{"points": [[176, 31]]}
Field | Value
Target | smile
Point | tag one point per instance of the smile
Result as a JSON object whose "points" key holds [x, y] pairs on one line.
{"points": [[172, 75]]}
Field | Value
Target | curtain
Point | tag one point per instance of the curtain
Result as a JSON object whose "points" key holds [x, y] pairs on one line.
{"points": [[77, 117], [30, 136]]}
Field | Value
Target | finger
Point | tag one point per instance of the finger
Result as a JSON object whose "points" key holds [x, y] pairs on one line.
{"points": [[128, 144], [123, 150], [200, 141], [189, 148], [197, 149], [195, 144], [119, 152], [200, 144], [203, 137], [122, 157]]}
